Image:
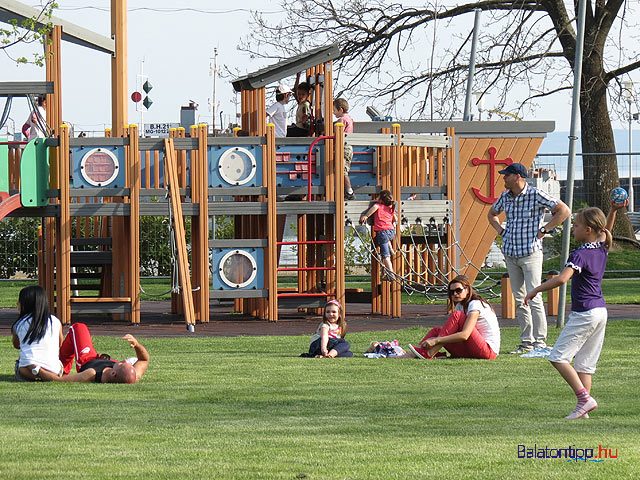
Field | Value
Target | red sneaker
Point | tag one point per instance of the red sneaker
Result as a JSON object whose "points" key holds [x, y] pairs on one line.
{"points": [[420, 352]]}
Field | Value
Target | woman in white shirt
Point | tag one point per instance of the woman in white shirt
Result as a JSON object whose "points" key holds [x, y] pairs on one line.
{"points": [[38, 335], [471, 331]]}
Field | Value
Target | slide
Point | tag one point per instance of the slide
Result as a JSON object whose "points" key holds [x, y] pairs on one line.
{"points": [[8, 203]]}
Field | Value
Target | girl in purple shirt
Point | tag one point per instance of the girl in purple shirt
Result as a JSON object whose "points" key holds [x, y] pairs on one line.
{"points": [[582, 337]]}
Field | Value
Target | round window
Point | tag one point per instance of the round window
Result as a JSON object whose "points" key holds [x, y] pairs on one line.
{"points": [[237, 166], [99, 167], [237, 268]]}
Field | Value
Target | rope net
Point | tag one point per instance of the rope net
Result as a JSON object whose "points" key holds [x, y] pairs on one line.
{"points": [[427, 259]]}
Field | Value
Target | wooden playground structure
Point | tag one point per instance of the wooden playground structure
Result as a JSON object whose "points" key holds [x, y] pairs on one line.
{"points": [[91, 193]]}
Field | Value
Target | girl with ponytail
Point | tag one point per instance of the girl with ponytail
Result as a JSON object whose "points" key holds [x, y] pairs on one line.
{"points": [[582, 337]]}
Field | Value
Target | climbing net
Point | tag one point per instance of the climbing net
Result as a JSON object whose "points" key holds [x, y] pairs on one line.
{"points": [[432, 265]]}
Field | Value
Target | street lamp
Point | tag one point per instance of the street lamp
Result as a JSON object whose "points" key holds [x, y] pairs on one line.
{"points": [[479, 97], [627, 89]]}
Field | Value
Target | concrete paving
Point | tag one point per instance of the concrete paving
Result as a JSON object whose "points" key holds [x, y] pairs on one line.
{"points": [[156, 321]]}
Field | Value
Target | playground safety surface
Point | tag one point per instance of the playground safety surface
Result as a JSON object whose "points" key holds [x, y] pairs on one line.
{"points": [[156, 321]]}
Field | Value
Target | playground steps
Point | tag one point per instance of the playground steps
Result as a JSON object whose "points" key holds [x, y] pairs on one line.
{"points": [[107, 305], [95, 259]]}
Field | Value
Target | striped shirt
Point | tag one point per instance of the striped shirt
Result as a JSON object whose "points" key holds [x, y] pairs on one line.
{"points": [[524, 219]]}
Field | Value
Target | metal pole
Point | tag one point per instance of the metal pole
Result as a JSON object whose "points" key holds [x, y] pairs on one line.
{"points": [[472, 66], [214, 102], [573, 137], [630, 161], [141, 132]]}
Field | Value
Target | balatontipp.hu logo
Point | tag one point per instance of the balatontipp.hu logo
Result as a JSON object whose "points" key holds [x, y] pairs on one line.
{"points": [[571, 453]]}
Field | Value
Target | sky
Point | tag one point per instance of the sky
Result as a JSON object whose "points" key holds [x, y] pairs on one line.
{"points": [[175, 40]]}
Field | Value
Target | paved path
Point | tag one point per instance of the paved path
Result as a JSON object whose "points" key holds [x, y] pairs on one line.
{"points": [[156, 322]]}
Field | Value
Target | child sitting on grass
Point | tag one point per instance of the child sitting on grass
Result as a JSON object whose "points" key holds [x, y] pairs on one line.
{"points": [[38, 335], [328, 340], [582, 337]]}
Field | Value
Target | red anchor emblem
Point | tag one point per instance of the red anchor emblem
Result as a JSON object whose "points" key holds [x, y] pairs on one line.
{"points": [[492, 174]]}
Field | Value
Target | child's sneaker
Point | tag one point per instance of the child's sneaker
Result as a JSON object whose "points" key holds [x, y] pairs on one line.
{"points": [[349, 196], [581, 410]]}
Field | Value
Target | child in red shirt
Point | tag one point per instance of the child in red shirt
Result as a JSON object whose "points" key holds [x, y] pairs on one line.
{"points": [[384, 226]]}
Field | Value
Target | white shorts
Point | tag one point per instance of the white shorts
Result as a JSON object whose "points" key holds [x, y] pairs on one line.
{"points": [[582, 338]]}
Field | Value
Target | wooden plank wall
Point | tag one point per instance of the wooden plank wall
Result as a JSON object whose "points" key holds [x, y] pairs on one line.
{"points": [[476, 235]]}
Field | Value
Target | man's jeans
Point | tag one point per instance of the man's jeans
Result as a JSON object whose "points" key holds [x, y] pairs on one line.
{"points": [[525, 274]]}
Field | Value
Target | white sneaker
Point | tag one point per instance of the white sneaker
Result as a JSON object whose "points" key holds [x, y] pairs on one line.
{"points": [[520, 349], [580, 412]]}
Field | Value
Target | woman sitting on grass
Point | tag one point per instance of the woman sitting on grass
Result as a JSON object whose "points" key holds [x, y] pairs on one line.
{"points": [[328, 340], [37, 334], [471, 331]]}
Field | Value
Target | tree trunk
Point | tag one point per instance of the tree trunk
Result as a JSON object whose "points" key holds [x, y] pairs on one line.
{"points": [[600, 172]]}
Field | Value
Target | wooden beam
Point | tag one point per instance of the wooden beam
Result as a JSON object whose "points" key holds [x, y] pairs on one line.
{"points": [[119, 97], [181, 244], [133, 167], [271, 263], [63, 229]]}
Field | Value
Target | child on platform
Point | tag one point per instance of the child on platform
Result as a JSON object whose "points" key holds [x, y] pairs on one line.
{"points": [[385, 218], [328, 340], [38, 335], [277, 112], [302, 127], [582, 337], [340, 111]]}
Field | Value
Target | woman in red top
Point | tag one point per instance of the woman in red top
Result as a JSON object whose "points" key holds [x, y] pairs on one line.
{"points": [[384, 226]]}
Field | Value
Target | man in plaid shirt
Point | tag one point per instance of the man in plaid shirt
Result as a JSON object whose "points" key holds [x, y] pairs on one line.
{"points": [[524, 206]]}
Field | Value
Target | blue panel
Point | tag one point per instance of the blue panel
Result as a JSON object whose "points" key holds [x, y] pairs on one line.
{"points": [[118, 180], [231, 166], [363, 169], [217, 256], [292, 166]]}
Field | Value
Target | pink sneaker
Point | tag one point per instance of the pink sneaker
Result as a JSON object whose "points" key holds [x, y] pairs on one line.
{"points": [[580, 412]]}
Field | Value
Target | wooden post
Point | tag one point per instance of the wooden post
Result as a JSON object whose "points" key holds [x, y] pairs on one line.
{"points": [[196, 238], [119, 117], [396, 189], [63, 229], [134, 223], [553, 295], [203, 220], [508, 301], [385, 182], [339, 215], [119, 97], [451, 172], [271, 263]]}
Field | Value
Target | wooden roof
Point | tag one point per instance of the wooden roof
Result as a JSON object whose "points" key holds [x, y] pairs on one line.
{"points": [[287, 67]]}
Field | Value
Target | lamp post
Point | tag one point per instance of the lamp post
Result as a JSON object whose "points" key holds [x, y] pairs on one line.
{"points": [[479, 97], [628, 96]]}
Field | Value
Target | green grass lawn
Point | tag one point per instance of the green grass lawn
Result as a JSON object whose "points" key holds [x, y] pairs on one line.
{"points": [[249, 408]]}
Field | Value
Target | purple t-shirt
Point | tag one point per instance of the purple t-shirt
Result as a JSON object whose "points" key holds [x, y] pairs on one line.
{"points": [[589, 262]]}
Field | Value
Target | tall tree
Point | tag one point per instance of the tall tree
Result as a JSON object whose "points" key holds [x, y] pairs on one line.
{"points": [[416, 57]]}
